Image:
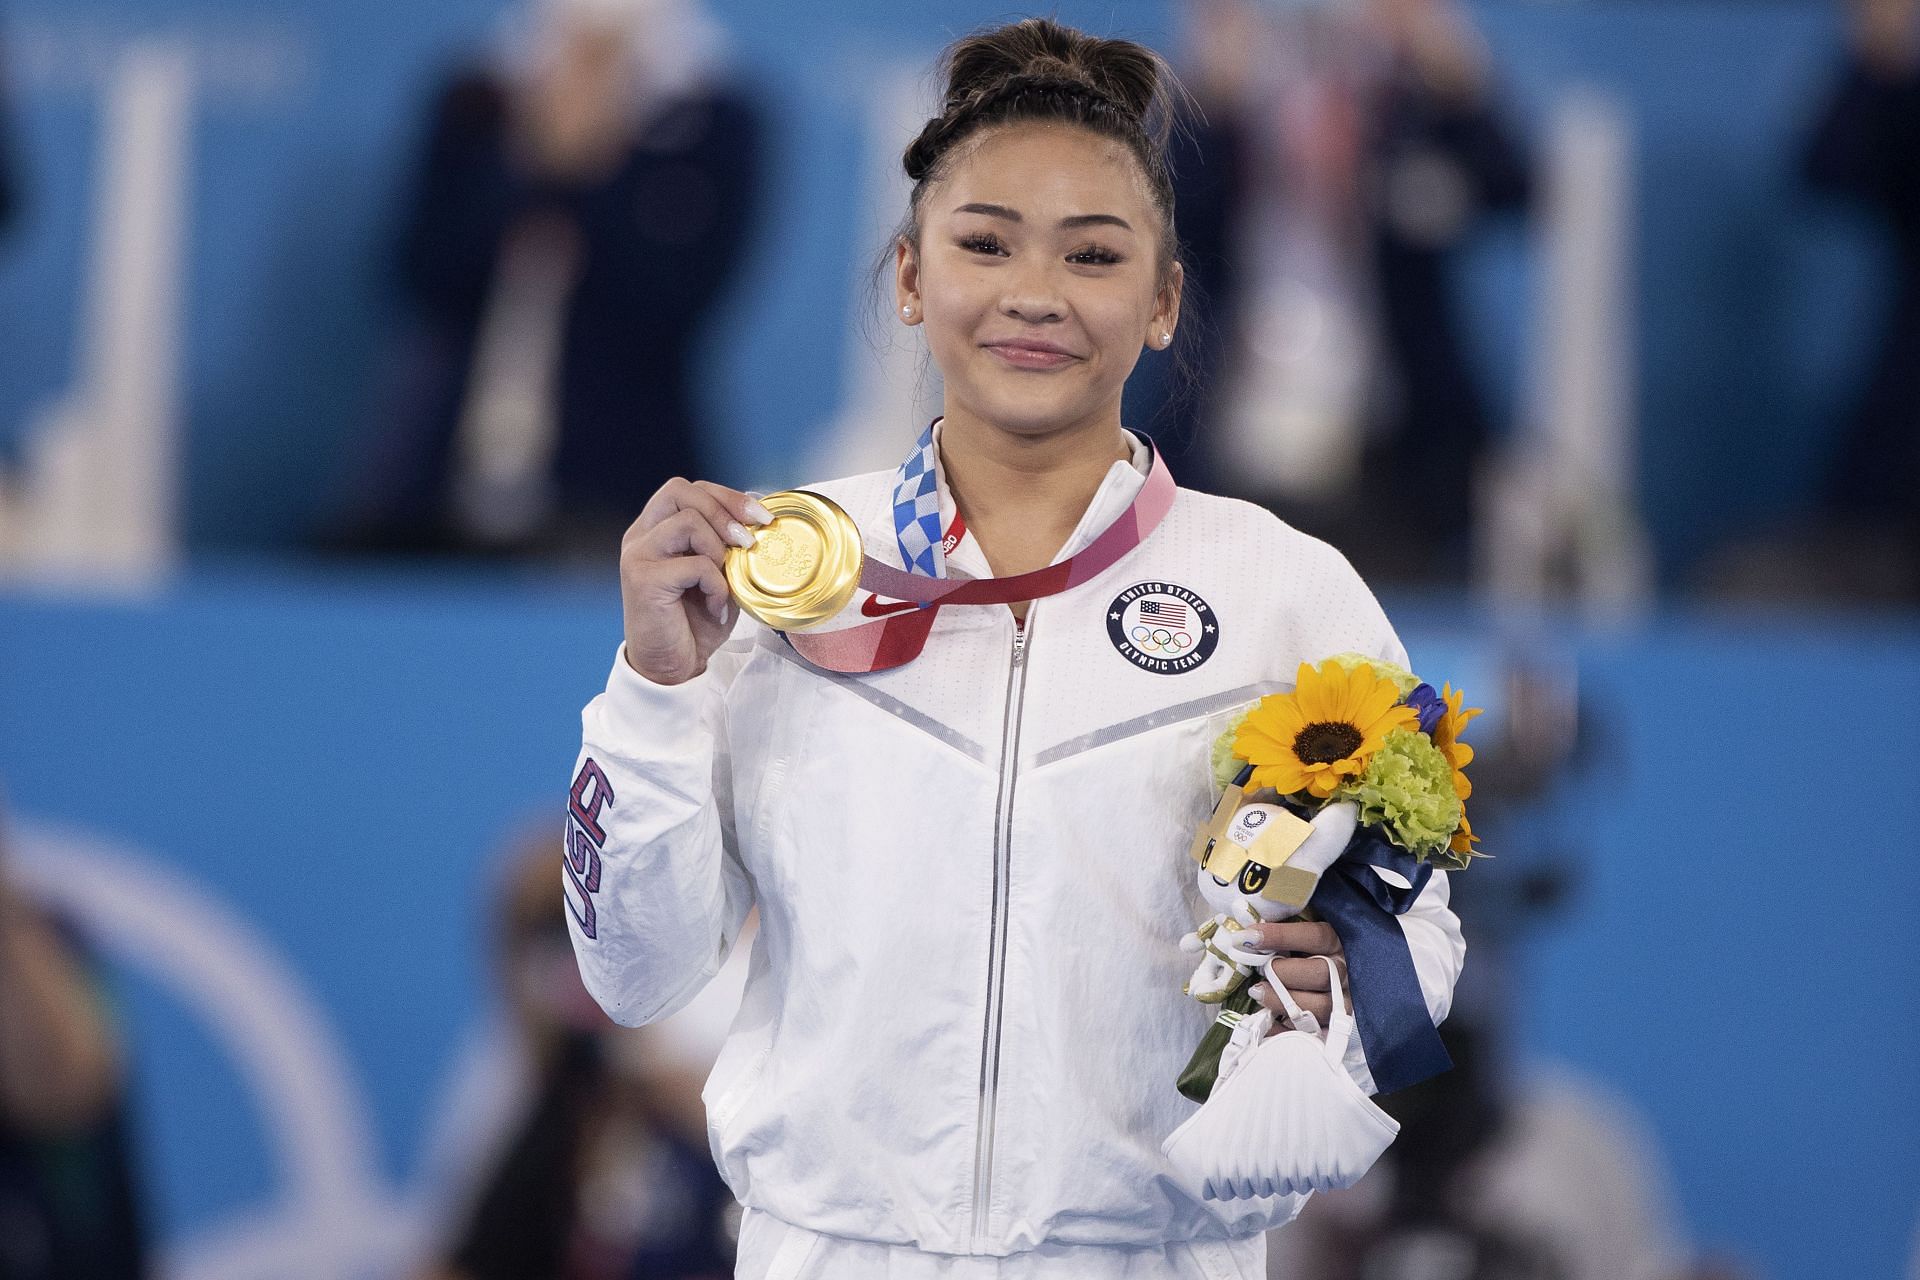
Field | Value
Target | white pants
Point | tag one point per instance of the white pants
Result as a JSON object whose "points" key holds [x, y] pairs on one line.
{"points": [[774, 1250]]}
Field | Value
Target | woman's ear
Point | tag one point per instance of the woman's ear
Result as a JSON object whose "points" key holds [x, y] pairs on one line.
{"points": [[906, 281], [1166, 309]]}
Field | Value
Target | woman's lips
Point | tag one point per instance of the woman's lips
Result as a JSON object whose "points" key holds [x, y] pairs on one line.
{"points": [[1022, 355]]}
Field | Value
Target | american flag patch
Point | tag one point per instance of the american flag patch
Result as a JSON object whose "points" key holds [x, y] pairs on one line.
{"points": [[1168, 611]]}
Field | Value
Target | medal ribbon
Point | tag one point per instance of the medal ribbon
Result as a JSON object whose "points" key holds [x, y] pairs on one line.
{"points": [[895, 641]]}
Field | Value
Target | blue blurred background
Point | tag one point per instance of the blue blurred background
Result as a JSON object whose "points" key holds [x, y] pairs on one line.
{"points": [[311, 745], [1755, 300]]}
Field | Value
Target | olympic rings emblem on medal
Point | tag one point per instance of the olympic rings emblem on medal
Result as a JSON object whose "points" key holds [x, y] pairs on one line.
{"points": [[1162, 627]]}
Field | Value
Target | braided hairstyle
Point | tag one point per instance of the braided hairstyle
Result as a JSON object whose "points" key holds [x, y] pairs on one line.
{"points": [[1037, 69]]}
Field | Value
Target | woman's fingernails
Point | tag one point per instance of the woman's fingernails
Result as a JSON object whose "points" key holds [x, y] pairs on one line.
{"points": [[737, 534], [759, 514]]}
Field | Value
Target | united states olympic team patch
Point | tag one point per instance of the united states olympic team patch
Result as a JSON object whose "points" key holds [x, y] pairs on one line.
{"points": [[1162, 628]]}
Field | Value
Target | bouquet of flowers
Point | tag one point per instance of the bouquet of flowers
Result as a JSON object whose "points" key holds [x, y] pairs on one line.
{"points": [[1361, 765]]}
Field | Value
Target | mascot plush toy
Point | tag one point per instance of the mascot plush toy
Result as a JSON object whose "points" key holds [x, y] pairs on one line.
{"points": [[1257, 863]]}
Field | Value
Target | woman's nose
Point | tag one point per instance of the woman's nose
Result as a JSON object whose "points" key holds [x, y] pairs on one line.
{"points": [[1031, 297]]}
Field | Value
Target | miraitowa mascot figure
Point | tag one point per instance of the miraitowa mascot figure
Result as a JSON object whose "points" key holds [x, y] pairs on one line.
{"points": [[1279, 1114]]}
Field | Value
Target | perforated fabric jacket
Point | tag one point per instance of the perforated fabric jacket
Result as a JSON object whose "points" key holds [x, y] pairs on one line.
{"points": [[963, 1015]]}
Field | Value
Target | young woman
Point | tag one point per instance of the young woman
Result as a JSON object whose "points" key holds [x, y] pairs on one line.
{"points": [[964, 1018]]}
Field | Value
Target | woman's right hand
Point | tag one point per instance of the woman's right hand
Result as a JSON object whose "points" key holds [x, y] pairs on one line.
{"points": [[673, 591]]}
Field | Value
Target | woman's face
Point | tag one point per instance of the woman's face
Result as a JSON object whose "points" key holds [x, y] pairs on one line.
{"points": [[1038, 276]]}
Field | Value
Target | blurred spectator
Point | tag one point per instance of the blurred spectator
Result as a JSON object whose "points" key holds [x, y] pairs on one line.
{"points": [[606, 1174], [1441, 160], [1866, 146], [575, 216], [1370, 142], [1210, 156], [67, 1204]]}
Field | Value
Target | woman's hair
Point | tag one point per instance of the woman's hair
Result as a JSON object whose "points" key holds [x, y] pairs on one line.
{"points": [[1037, 69]]}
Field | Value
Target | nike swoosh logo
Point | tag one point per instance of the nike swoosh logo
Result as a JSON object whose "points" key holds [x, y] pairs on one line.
{"points": [[872, 608]]}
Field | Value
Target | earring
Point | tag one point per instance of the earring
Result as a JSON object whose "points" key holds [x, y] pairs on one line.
{"points": [[906, 310], [1166, 339]]}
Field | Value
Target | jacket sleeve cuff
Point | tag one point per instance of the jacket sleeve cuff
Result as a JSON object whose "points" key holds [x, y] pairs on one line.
{"points": [[634, 705]]}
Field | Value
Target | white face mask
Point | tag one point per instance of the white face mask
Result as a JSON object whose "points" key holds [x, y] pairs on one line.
{"points": [[1284, 1117]]}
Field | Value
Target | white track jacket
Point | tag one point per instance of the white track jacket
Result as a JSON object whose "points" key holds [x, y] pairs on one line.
{"points": [[963, 1015]]}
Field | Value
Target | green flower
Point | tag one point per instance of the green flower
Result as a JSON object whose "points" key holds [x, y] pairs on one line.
{"points": [[1401, 678], [1226, 765], [1407, 791]]}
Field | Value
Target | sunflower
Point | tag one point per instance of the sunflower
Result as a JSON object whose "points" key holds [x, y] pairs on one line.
{"points": [[1322, 733], [1446, 736]]}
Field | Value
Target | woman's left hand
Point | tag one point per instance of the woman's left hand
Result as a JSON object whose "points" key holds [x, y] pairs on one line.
{"points": [[1298, 942]]}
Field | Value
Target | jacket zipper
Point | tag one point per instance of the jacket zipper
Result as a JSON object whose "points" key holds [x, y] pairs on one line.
{"points": [[997, 942]]}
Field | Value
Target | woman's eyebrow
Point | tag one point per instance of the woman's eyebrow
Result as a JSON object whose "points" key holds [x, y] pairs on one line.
{"points": [[1077, 220], [1097, 220], [991, 210]]}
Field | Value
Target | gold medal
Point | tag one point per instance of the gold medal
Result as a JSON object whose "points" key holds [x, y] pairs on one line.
{"points": [[803, 566]]}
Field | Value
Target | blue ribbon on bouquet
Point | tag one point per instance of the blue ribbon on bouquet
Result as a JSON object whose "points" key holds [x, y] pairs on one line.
{"points": [[1403, 1047]]}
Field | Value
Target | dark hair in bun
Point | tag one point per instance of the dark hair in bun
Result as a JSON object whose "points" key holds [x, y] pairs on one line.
{"points": [[1037, 69]]}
